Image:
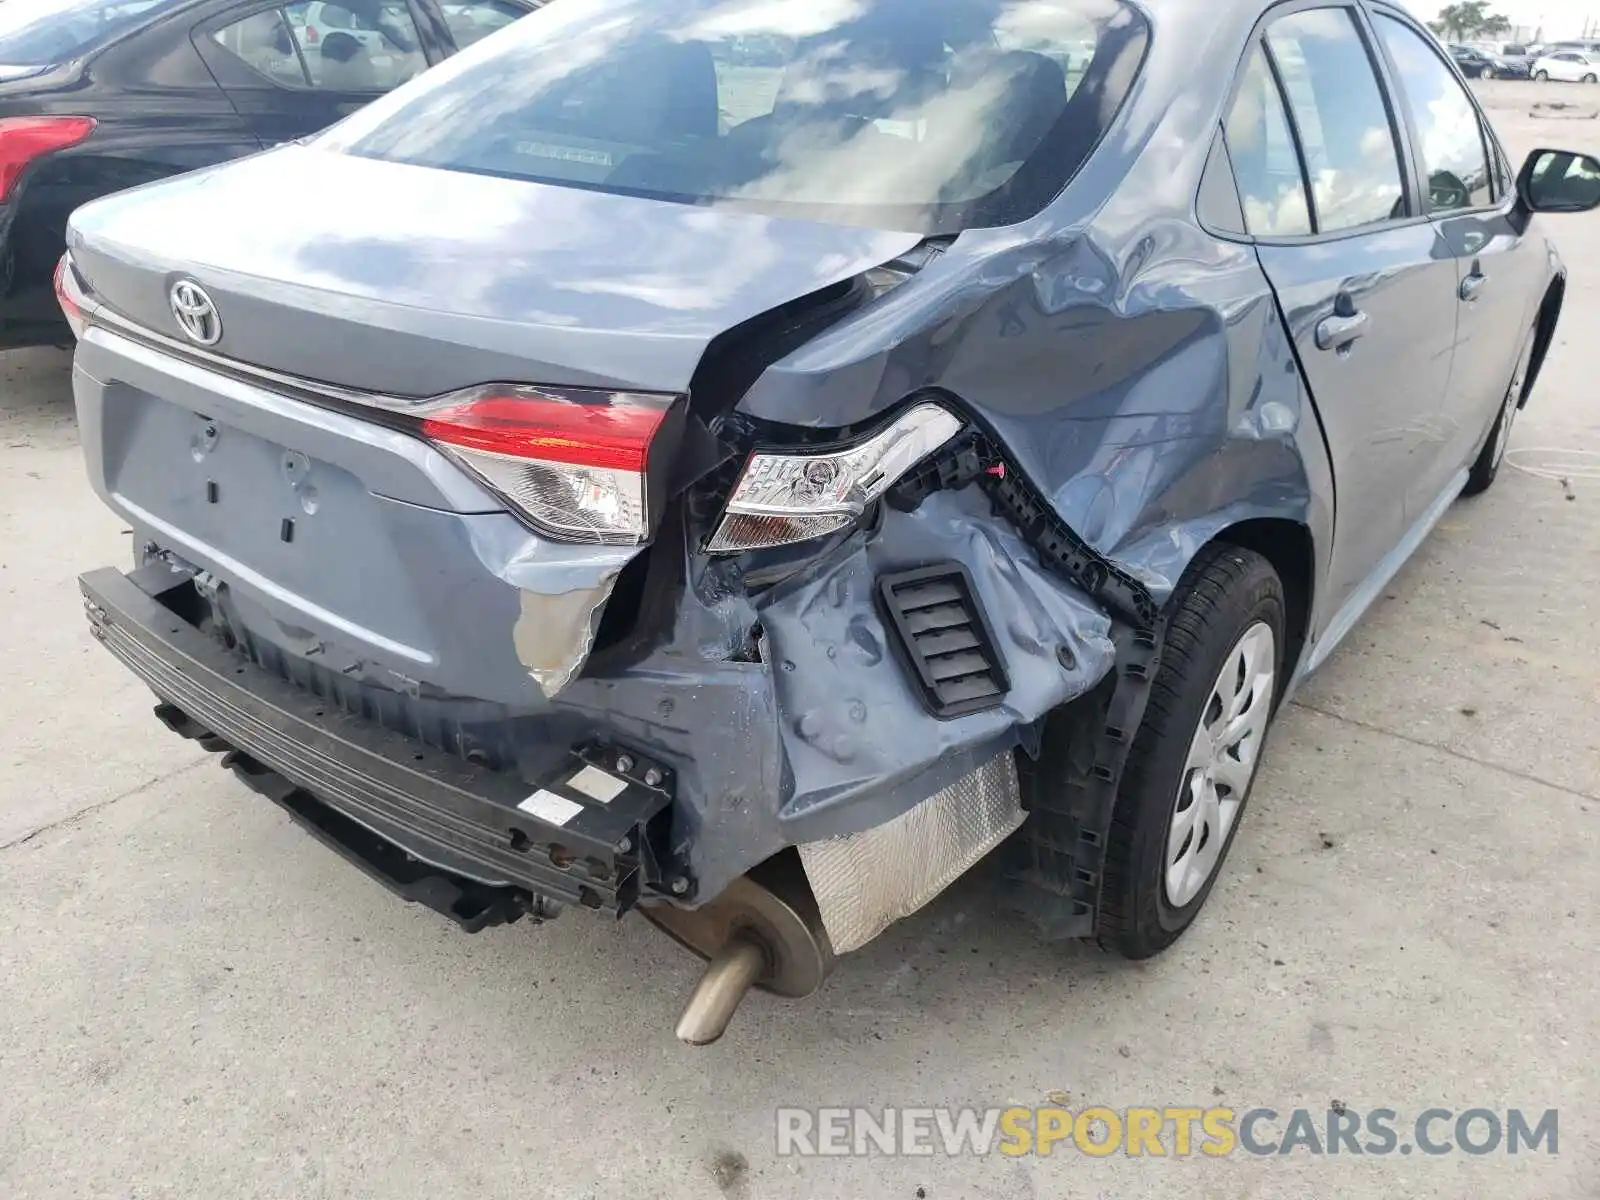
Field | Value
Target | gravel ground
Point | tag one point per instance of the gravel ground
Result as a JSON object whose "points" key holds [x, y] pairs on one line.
{"points": [[200, 1001]]}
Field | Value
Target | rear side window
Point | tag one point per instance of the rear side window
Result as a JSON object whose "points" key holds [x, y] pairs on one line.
{"points": [[1265, 164], [327, 46], [1339, 113], [1449, 136], [265, 42]]}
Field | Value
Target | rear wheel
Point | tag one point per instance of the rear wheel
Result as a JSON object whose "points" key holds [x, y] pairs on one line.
{"points": [[1588, 79], [1541, 76], [1487, 469], [1192, 764], [1487, 73]]}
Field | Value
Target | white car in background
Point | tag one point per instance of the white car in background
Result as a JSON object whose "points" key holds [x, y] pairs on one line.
{"points": [[1568, 66], [320, 19]]}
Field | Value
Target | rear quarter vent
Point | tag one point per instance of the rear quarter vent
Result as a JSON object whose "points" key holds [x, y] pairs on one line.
{"points": [[935, 618]]}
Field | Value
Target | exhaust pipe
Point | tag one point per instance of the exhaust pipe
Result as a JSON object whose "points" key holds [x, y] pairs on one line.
{"points": [[762, 931], [728, 978]]}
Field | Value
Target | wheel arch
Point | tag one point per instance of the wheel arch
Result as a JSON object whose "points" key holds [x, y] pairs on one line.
{"points": [[1289, 546]]}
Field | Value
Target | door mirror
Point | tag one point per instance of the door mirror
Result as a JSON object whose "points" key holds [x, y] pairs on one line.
{"points": [[1559, 181]]}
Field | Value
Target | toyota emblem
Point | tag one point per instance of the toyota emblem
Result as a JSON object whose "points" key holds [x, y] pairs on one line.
{"points": [[195, 313]]}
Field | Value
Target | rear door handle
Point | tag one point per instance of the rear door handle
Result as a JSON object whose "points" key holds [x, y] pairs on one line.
{"points": [[1338, 331], [1472, 285]]}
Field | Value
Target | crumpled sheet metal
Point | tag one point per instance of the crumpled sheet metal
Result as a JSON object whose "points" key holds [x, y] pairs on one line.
{"points": [[864, 882], [823, 734], [562, 590], [854, 732]]}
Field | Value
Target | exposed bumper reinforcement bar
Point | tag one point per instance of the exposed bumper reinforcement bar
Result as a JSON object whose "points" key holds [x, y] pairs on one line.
{"points": [[367, 791]]}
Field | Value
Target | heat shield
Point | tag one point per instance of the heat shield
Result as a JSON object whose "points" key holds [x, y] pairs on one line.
{"points": [[864, 882]]}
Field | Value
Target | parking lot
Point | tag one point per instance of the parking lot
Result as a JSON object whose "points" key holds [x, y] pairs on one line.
{"points": [[199, 1000]]}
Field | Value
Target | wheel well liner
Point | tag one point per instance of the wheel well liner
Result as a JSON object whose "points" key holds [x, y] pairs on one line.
{"points": [[1288, 546]]}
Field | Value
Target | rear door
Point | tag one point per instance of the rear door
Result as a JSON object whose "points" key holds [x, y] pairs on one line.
{"points": [[294, 69], [1365, 281], [1469, 193]]}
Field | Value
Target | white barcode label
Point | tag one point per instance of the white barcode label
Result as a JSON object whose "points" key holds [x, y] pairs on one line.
{"points": [[548, 806], [598, 785]]}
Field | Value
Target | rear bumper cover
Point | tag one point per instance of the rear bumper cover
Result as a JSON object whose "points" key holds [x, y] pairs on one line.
{"points": [[553, 841]]}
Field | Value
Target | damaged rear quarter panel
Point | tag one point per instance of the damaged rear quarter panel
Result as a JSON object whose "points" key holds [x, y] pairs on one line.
{"points": [[1136, 371], [1151, 413], [1134, 366]]}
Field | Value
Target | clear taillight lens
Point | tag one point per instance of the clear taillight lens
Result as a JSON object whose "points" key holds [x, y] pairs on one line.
{"points": [[576, 463], [69, 294], [784, 498]]}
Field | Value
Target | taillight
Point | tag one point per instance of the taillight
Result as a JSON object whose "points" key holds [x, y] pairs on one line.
{"points": [[69, 294], [23, 139], [312, 36], [575, 463]]}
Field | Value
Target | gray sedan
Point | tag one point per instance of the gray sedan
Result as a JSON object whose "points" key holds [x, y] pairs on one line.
{"points": [[745, 462]]}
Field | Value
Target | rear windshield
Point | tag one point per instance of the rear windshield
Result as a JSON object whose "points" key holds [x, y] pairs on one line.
{"points": [[926, 115], [39, 33]]}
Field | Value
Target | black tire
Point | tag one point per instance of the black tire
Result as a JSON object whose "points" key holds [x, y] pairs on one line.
{"points": [[1588, 79], [1541, 76], [1486, 73], [1223, 594], [1493, 455]]}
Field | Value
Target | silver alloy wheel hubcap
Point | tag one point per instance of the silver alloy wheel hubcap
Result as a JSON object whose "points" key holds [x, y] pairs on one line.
{"points": [[1222, 760]]}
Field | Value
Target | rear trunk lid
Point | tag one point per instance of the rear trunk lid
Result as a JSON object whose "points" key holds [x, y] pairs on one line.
{"points": [[413, 281]]}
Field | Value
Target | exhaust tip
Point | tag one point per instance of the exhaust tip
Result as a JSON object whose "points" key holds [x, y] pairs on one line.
{"points": [[722, 988], [762, 931]]}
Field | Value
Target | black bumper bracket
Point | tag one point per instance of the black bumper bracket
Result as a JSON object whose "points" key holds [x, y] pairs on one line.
{"points": [[482, 846]]}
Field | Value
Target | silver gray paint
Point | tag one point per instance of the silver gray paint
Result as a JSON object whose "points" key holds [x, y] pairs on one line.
{"points": [[1137, 367], [414, 282]]}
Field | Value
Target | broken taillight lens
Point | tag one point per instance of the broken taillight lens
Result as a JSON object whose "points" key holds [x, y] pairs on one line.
{"points": [[23, 139], [575, 463], [69, 294], [785, 498]]}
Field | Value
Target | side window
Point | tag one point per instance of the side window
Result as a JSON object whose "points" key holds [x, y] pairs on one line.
{"points": [[1449, 135], [1265, 165], [1339, 113], [264, 42], [318, 44], [477, 19], [365, 46]]}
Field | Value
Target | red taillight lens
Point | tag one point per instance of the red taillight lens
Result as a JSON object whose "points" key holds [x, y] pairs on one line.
{"points": [[574, 462], [23, 139], [312, 36], [70, 296], [613, 432]]}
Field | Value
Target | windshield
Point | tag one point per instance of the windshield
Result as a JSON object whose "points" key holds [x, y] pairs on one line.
{"points": [[39, 33], [925, 115]]}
